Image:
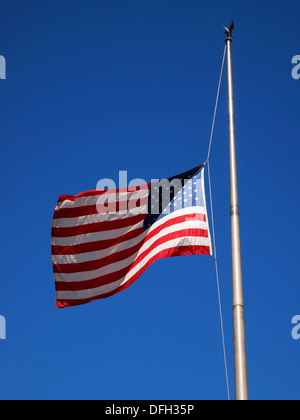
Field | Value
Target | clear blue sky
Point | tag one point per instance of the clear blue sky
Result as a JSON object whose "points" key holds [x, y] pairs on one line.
{"points": [[94, 87]]}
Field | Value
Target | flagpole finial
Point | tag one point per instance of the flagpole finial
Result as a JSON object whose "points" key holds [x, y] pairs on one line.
{"points": [[229, 31]]}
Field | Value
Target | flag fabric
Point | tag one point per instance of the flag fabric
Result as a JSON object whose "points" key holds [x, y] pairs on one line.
{"points": [[103, 240]]}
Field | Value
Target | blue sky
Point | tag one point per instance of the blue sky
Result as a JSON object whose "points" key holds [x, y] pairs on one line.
{"points": [[95, 87]]}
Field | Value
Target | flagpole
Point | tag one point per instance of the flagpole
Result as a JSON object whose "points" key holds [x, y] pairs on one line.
{"points": [[240, 359]]}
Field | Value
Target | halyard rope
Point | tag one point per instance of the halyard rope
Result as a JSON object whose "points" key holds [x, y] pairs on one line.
{"points": [[213, 224]]}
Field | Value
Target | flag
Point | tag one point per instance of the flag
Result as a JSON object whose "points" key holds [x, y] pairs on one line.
{"points": [[103, 240]]}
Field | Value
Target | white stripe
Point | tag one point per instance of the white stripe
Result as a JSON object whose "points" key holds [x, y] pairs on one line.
{"points": [[90, 293], [95, 236]]}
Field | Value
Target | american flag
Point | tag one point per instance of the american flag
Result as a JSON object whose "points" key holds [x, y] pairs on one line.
{"points": [[103, 240]]}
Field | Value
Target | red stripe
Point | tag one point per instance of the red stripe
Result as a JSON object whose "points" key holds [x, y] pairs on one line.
{"points": [[65, 197], [190, 250], [95, 246], [66, 213], [75, 211], [92, 193]]}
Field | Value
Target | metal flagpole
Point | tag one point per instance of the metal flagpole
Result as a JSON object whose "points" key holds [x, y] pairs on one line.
{"points": [[240, 360]]}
